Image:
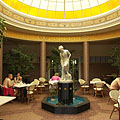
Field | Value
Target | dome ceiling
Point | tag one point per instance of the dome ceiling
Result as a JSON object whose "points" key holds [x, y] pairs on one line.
{"points": [[63, 9], [61, 16]]}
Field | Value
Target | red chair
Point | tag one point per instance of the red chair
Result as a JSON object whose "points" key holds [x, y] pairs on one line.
{"points": [[8, 91]]}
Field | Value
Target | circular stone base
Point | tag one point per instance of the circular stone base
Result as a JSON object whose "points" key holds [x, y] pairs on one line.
{"points": [[66, 81], [80, 104]]}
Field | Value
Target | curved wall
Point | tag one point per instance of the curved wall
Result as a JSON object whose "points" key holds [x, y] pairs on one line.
{"points": [[80, 38]]}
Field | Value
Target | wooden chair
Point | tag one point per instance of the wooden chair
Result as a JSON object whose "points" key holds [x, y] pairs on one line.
{"points": [[30, 93], [83, 85], [41, 87], [114, 94], [98, 88], [96, 79], [36, 83], [42, 80]]}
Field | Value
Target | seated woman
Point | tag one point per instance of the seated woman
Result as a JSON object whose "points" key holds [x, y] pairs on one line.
{"points": [[55, 77], [54, 81], [7, 86], [115, 85], [18, 78]]}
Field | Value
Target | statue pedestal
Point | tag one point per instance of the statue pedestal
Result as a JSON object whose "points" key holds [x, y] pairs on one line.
{"points": [[65, 92]]}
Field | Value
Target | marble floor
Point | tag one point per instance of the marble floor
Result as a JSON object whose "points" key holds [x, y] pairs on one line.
{"points": [[100, 109]]}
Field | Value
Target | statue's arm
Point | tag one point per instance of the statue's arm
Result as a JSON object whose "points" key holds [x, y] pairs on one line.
{"points": [[69, 54]]}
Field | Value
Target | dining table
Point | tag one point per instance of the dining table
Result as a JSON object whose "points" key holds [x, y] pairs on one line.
{"points": [[22, 90], [5, 99], [21, 85]]}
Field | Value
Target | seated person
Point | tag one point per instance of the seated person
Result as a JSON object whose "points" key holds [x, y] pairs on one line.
{"points": [[53, 83], [55, 77], [7, 81], [18, 78], [7, 86], [115, 85]]}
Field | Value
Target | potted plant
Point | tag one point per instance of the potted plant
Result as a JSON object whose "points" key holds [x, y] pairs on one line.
{"points": [[18, 61], [2, 30], [53, 93]]}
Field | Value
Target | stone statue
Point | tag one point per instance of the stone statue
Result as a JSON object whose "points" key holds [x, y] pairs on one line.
{"points": [[64, 59]]}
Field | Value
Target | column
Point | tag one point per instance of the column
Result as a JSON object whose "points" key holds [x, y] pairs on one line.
{"points": [[1, 65], [43, 59], [86, 61]]}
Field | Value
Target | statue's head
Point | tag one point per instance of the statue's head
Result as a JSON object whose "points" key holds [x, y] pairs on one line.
{"points": [[60, 47]]}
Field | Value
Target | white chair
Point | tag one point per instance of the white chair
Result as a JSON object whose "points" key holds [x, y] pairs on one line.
{"points": [[98, 88], [82, 82], [41, 79], [30, 92], [41, 87], [96, 79], [36, 83], [108, 86], [114, 94], [83, 85]]}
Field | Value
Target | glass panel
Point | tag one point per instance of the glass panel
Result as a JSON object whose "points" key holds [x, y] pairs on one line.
{"points": [[28, 2], [36, 3]]}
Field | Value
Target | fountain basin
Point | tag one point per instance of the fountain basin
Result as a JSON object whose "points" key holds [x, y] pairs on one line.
{"points": [[79, 104]]}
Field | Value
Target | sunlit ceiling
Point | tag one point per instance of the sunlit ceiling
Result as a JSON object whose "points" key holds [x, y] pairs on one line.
{"points": [[63, 9]]}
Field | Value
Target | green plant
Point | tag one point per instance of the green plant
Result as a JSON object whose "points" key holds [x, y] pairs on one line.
{"points": [[53, 92], [18, 61], [55, 60], [2, 30], [115, 58]]}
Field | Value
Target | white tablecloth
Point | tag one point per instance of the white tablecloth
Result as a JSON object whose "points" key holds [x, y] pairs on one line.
{"points": [[19, 85], [5, 99]]}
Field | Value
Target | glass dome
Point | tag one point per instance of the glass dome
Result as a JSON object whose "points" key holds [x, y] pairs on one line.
{"points": [[63, 9]]}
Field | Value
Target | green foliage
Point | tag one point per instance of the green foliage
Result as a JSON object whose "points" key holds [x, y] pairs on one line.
{"points": [[55, 60], [53, 92], [115, 57], [18, 61], [55, 56], [2, 30]]}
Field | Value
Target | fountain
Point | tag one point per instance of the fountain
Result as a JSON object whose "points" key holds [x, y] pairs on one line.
{"points": [[64, 102]]}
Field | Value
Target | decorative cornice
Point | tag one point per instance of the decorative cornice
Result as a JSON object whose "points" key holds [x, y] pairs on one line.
{"points": [[80, 38]]}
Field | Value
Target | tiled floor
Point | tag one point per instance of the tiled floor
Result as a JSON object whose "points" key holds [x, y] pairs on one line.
{"points": [[100, 110]]}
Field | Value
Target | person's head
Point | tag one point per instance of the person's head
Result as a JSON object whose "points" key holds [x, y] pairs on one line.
{"points": [[56, 74], [61, 48], [10, 76], [18, 74]]}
